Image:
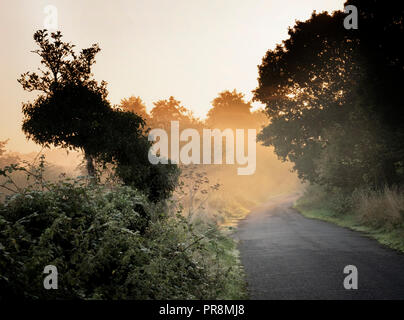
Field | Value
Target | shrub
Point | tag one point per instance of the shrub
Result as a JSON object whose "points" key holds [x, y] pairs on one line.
{"points": [[340, 203], [109, 243], [333, 199]]}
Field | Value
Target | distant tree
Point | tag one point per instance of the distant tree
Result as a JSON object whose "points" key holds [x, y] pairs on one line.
{"points": [[3, 147], [230, 110], [165, 111], [135, 105], [6, 158]]}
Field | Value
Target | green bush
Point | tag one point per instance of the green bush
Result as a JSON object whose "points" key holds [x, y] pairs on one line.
{"points": [[332, 199], [340, 203], [109, 243]]}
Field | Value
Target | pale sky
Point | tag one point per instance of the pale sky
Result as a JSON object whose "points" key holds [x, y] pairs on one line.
{"points": [[190, 49]]}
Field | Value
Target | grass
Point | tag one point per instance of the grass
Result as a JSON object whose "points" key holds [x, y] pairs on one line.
{"points": [[236, 289], [374, 214]]}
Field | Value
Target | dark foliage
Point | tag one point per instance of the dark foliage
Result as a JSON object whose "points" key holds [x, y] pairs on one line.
{"points": [[73, 112], [108, 243], [333, 98]]}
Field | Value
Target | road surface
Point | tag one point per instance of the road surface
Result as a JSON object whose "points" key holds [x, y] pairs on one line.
{"points": [[288, 256]]}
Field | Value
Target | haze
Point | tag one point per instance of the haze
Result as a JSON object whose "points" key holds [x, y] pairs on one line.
{"points": [[191, 50]]}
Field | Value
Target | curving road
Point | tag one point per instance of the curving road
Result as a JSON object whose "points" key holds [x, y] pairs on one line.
{"points": [[288, 256]]}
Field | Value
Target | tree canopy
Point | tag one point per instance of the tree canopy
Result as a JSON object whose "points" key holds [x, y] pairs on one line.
{"points": [[230, 110], [135, 105], [73, 112], [332, 96]]}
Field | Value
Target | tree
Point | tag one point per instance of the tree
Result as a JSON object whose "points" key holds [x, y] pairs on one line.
{"points": [[73, 112], [331, 95], [72, 105], [5, 157], [3, 147], [168, 110], [71, 117], [62, 65], [127, 148], [298, 84], [135, 105], [230, 110]]}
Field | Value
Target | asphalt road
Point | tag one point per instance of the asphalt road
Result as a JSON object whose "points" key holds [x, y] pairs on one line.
{"points": [[288, 256]]}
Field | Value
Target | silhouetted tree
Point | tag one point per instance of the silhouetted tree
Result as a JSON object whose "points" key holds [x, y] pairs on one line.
{"points": [[332, 98], [73, 112], [127, 148], [72, 105]]}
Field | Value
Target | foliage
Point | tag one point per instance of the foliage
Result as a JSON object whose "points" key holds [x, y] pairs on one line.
{"points": [[73, 112], [135, 105], [63, 65], [71, 117], [193, 191], [330, 199], [167, 110], [127, 148], [109, 243], [230, 110], [332, 96]]}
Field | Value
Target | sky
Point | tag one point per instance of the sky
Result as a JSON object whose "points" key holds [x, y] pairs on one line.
{"points": [[189, 49]]}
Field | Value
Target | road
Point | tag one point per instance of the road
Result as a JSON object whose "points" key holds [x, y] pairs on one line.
{"points": [[288, 256]]}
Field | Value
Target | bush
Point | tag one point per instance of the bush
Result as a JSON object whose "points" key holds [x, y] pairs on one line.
{"points": [[109, 244], [332, 199], [340, 203]]}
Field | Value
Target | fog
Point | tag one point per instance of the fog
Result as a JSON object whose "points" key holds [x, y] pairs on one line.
{"points": [[207, 191]]}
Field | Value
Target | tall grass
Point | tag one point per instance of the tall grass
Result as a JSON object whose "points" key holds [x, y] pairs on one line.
{"points": [[380, 209], [380, 214]]}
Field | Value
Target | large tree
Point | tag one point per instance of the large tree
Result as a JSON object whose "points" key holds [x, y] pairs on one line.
{"points": [[71, 104], [72, 111], [331, 95]]}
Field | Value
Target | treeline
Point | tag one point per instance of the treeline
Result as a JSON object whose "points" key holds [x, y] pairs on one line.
{"points": [[334, 98], [229, 110]]}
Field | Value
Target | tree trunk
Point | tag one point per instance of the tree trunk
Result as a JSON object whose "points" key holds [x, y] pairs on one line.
{"points": [[389, 173], [90, 166]]}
